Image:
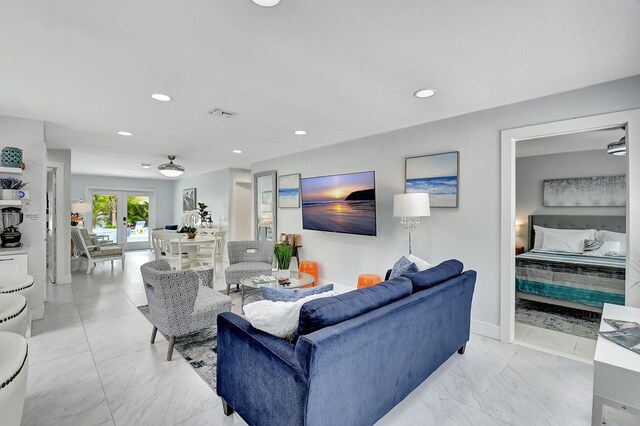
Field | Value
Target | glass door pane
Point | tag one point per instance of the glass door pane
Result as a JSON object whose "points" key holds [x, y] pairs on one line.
{"points": [[138, 219], [105, 216]]}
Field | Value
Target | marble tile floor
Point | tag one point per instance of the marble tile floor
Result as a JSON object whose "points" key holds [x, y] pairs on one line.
{"points": [[91, 364], [555, 342]]}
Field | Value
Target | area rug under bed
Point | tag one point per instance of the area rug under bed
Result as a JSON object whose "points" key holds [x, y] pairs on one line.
{"points": [[200, 349], [558, 318]]}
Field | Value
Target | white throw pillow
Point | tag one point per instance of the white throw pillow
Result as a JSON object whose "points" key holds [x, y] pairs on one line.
{"points": [[567, 243], [422, 264], [278, 318], [608, 248], [540, 232], [616, 236]]}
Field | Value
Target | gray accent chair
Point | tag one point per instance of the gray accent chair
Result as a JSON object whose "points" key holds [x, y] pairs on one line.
{"points": [[248, 258], [181, 302]]}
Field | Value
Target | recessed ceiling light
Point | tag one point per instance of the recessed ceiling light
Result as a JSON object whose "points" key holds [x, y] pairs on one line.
{"points": [[424, 93], [145, 165], [266, 3], [300, 132], [125, 133], [237, 151], [160, 97]]}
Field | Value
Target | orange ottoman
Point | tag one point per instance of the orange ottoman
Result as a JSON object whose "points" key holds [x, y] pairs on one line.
{"points": [[367, 280], [310, 267]]}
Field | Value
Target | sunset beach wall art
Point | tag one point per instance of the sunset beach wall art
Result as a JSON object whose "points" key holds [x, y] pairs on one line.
{"points": [[289, 191], [435, 174], [343, 203]]}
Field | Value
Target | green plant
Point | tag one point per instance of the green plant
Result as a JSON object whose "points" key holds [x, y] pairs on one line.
{"points": [[189, 229], [202, 211], [283, 253], [12, 183]]}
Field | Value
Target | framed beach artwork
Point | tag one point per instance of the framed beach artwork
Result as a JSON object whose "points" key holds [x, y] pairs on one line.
{"points": [[189, 199], [267, 201], [436, 175], [289, 191]]}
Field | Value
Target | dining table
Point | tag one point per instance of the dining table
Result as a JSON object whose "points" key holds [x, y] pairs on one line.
{"points": [[182, 244]]}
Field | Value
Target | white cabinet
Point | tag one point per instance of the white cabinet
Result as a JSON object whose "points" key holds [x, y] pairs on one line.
{"points": [[13, 264]]}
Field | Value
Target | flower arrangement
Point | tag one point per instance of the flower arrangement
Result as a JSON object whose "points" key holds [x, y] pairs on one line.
{"points": [[12, 183], [76, 219]]}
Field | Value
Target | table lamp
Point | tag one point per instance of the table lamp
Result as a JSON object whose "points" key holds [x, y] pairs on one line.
{"points": [[410, 208]]}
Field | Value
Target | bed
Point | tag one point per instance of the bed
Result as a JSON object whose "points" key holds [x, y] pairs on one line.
{"points": [[571, 280]]}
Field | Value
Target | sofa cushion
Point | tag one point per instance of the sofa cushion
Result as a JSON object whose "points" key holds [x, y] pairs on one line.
{"points": [[289, 295], [249, 267], [321, 313], [433, 276], [401, 267]]}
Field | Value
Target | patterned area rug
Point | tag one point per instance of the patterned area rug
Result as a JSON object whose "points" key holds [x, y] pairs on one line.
{"points": [[558, 318], [200, 349]]}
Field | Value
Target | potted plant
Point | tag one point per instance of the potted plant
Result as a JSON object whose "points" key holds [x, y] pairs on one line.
{"points": [[283, 253], [11, 187], [203, 213], [191, 231]]}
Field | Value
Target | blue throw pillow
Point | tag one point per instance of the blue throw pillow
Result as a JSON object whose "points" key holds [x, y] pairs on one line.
{"points": [[287, 295], [401, 267], [433, 276], [327, 311]]}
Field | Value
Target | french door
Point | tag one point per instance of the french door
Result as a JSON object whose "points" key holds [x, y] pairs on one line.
{"points": [[123, 217]]}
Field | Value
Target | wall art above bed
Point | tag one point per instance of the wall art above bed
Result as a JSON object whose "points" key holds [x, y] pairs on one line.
{"points": [[598, 191]]}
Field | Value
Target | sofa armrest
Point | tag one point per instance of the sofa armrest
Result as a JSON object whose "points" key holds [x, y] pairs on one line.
{"points": [[257, 374]]}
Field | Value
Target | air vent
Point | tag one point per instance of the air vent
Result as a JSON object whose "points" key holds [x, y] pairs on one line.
{"points": [[223, 113]]}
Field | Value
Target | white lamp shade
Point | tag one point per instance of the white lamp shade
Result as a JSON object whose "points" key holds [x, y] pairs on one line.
{"points": [[81, 207], [415, 204]]}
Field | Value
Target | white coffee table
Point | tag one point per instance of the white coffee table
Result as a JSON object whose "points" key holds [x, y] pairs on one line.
{"points": [[616, 370]]}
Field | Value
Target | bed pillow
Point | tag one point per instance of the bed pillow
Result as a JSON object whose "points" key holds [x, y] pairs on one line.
{"points": [[279, 319], [616, 236], [291, 295], [422, 264], [401, 267], [566, 243], [540, 232], [608, 248]]}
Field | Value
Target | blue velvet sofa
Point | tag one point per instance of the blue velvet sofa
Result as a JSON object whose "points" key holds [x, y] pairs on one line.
{"points": [[356, 356]]}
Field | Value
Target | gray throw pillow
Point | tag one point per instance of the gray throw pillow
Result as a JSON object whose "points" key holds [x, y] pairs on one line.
{"points": [[401, 267], [287, 295]]}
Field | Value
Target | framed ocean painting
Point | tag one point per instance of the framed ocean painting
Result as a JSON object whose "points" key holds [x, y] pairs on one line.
{"points": [[289, 191], [436, 175]]}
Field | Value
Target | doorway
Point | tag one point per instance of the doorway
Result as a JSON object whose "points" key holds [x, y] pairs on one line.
{"points": [[122, 217], [630, 120], [51, 225], [241, 211]]}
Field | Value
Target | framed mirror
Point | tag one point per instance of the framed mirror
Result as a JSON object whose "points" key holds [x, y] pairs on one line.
{"points": [[266, 205]]}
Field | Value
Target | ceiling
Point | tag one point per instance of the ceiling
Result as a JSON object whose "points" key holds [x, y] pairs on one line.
{"points": [[337, 69], [594, 140]]}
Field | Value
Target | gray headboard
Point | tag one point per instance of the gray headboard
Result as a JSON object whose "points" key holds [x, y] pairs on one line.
{"points": [[608, 223]]}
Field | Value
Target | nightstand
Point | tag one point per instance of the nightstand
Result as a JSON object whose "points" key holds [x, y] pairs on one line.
{"points": [[519, 250]]}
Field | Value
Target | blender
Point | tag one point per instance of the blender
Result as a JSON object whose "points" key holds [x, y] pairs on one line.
{"points": [[11, 218]]}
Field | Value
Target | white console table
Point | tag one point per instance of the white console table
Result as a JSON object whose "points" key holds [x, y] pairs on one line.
{"points": [[616, 370]]}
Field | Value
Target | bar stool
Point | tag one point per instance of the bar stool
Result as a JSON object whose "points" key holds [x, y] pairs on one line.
{"points": [[14, 364], [367, 280], [13, 313], [310, 267]]}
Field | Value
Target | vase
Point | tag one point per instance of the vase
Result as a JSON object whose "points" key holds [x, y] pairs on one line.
{"points": [[10, 194], [11, 157], [191, 235]]}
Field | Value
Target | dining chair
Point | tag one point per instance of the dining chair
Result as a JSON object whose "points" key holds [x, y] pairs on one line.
{"points": [[213, 253], [165, 250]]}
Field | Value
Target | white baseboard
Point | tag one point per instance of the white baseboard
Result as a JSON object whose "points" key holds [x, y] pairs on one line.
{"points": [[485, 329]]}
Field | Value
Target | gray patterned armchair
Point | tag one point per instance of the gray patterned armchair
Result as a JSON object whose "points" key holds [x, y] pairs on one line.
{"points": [[248, 258], [179, 303]]}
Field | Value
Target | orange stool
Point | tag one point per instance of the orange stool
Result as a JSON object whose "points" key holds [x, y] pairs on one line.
{"points": [[367, 280], [310, 267]]}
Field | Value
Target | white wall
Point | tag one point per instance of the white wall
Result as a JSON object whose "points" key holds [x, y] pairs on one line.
{"points": [[214, 189], [471, 232], [531, 171], [29, 136], [63, 208], [164, 192]]}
